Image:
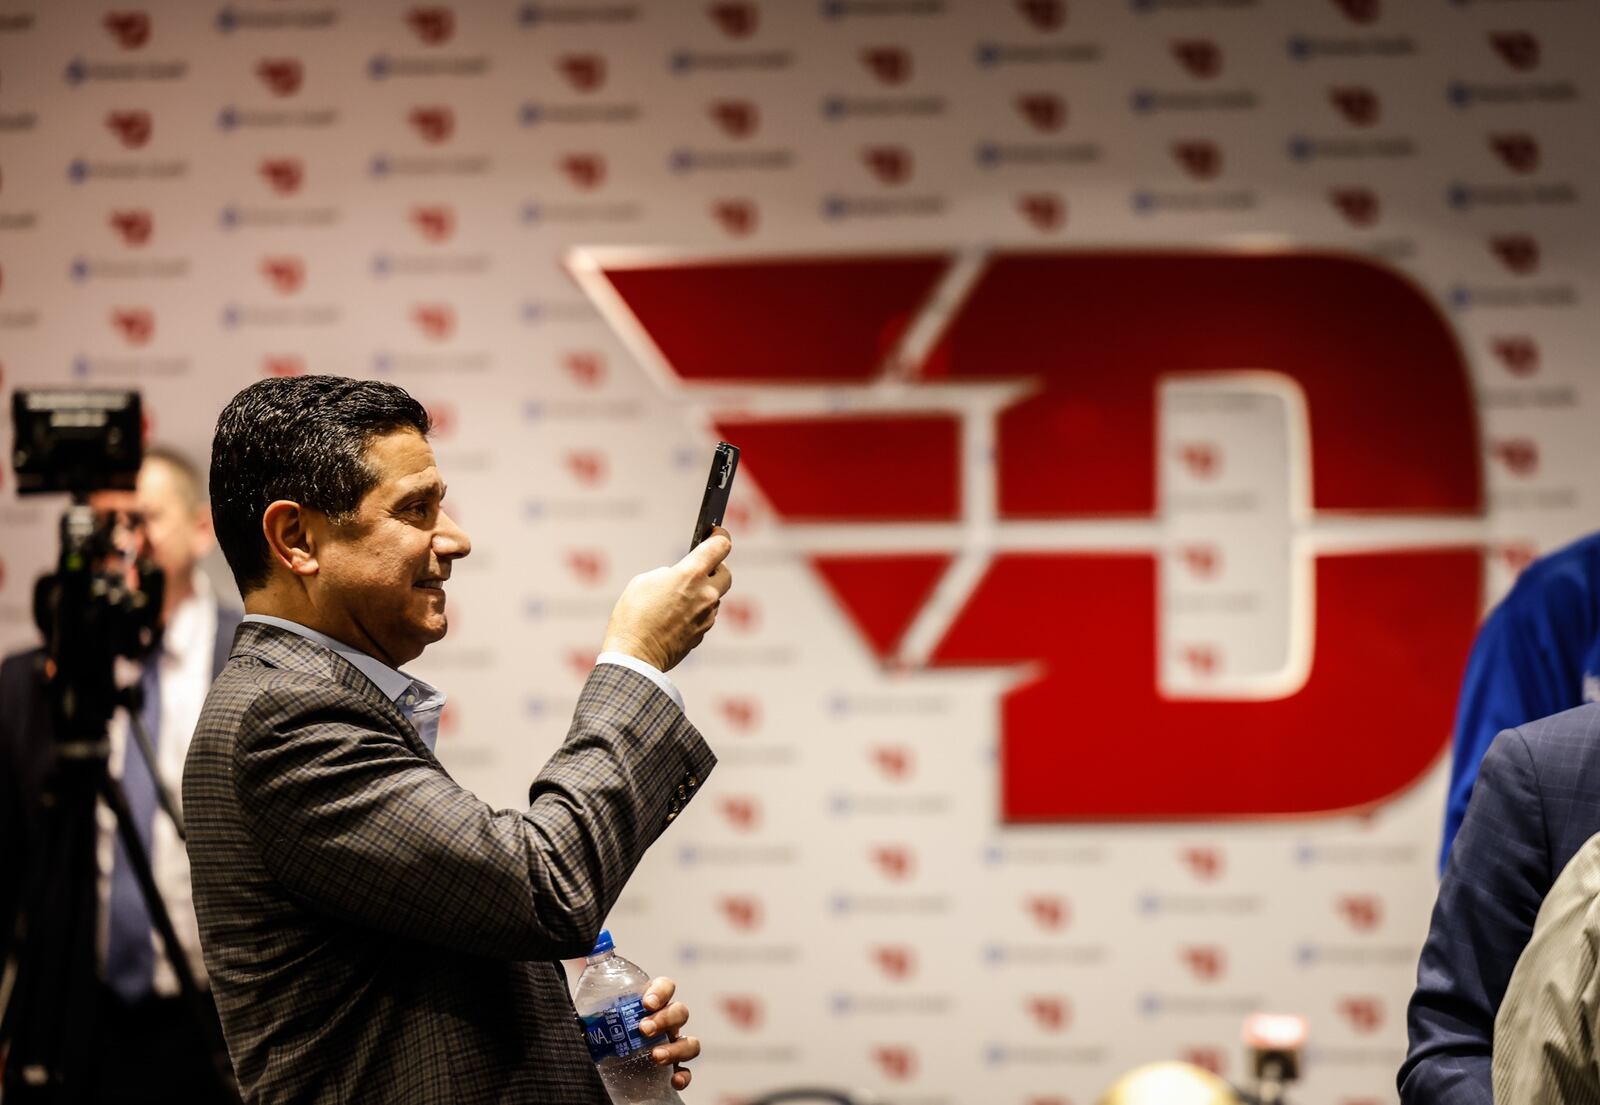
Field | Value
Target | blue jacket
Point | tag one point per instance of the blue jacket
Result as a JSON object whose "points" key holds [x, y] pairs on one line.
{"points": [[1536, 802], [1536, 655]]}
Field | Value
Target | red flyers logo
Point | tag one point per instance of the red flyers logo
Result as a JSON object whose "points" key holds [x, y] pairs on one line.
{"points": [[1050, 1012], [743, 912], [742, 714], [737, 217], [1364, 912], [897, 1063], [742, 812], [1358, 11], [1200, 159], [1206, 864], [587, 466], [1201, 57], [1049, 912], [588, 566], [132, 128], [433, 26], [895, 862], [131, 30], [896, 961], [433, 124], [1045, 210], [894, 762], [285, 275], [736, 20], [435, 222], [137, 325], [1518, 353], [584, 72], [283, 364], [1043, 15], [890, 164], [283, 175], [737, 118], [1519, 456], [133, 226], [983, 366], [282, 76], [1518, 49], [890, 64], [1044, 111], [1207, 963], [744, 1011], [1519, 253], [586, 367], [1358, 105], [1519, 150], [1364, 1014], [1359, 206], [586, 171], [434, 321]]}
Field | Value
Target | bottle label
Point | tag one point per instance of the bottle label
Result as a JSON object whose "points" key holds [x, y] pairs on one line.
{"points": [[614, 1033]]}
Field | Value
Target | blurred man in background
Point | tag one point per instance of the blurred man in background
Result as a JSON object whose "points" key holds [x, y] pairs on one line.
{"points": [[147, 1046]]}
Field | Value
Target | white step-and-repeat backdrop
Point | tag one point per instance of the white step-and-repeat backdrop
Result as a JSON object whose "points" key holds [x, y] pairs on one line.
{"points": [[1141, 400]]}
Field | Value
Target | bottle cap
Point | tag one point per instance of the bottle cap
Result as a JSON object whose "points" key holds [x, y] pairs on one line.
{"points": [[603, 944]]}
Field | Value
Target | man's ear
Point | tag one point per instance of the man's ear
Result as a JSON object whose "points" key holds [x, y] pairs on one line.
{"points": [[290, 543]]}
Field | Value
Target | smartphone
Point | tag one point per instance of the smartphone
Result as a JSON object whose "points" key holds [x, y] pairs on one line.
{"points": [[724, 462]]}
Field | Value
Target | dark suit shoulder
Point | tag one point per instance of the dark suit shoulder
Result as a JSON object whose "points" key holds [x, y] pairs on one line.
{"points": [[1575, 728], [1561, 755]]}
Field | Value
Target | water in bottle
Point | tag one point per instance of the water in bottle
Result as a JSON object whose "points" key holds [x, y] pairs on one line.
{"points": [[610, 1002]]}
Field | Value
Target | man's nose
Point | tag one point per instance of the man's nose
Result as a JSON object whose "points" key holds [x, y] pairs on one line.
{"points": [[450, 539]]}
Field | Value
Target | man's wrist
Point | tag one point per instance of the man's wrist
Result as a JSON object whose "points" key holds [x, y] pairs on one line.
{"points": [[644, 668], [631, 646]]}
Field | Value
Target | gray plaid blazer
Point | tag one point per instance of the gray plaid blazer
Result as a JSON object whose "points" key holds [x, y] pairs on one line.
{"points": [[376, 933]]}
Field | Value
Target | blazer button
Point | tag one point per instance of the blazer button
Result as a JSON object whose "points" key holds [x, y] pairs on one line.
{"points": [[671, 815], [693, 782], [683, 794]]}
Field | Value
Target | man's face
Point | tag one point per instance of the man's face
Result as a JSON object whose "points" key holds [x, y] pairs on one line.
{"points": [[381, 576], [159, 520]]}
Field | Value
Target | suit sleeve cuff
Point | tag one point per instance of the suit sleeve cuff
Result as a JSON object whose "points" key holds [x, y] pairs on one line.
{"points": [[649, 671]]}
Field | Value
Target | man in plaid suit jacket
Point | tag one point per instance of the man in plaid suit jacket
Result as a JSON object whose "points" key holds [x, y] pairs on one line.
{"points": [[373, 931]]}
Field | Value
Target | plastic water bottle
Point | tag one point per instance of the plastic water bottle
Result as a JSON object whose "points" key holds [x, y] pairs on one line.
{"points": [[610, 1002]]}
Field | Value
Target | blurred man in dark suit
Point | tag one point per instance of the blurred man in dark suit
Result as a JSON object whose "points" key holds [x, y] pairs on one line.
{"points": [[147, 1046], [374, 931]]}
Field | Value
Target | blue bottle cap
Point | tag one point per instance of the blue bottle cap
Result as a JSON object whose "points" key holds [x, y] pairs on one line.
{"points": [[603, 944]]}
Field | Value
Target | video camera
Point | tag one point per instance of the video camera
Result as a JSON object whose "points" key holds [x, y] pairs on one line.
{"points": [[81, 441]]}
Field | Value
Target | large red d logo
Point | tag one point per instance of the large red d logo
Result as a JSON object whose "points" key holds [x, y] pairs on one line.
{"points": [[1085, 338]]}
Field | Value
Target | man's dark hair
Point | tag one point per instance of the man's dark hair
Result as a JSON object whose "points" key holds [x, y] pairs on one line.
{"points": [[301, 438]]}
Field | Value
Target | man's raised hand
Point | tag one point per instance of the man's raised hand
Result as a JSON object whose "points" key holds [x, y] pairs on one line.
{"points": [[663, 614]]}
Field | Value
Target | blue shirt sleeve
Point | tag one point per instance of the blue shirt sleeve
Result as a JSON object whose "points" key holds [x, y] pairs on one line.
{"points": [[1528, 662]]}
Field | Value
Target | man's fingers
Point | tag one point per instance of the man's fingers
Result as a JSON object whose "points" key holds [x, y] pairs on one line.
{"points": [[659, 992], [678, 1051], [704, 557], [723, 579], [669, 1020], [680, 1080]]}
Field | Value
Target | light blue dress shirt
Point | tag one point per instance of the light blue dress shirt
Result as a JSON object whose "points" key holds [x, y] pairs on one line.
{"points": [[420, 702]]}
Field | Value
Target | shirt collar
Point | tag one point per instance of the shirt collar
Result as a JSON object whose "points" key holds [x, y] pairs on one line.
{"points": [[193, 624], [392, 683]]}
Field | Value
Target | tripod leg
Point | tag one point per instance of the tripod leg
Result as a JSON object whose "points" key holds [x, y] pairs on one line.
{"points": [[139, 860], [49, 1019]]}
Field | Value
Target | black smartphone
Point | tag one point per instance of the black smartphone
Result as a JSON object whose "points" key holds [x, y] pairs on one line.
{"points": [[724, 462]]}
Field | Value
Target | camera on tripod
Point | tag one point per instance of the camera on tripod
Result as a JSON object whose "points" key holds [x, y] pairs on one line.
{"points": [[102, 602], [81, 441]]}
